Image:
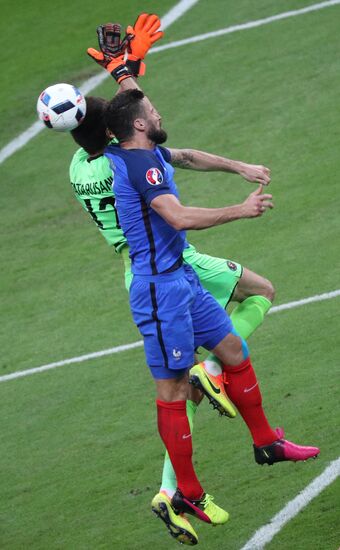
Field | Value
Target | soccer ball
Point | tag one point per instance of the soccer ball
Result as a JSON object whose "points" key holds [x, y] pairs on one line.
{"points": [[61, 107]]}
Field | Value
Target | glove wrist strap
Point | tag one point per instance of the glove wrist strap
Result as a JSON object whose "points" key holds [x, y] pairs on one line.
{"points": [[136, 66], [133, 66], [121, 72]]}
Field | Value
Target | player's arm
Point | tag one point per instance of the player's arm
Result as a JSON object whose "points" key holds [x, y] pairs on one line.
{"points": [[128, 84], [199, 160], [186, 217]]}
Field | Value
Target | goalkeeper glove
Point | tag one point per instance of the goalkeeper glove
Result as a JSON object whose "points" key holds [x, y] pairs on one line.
{"points": [[141, 36], [113, 51]]}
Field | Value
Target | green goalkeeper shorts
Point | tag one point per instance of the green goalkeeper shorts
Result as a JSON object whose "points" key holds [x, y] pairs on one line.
{"points": [[217, 275]]}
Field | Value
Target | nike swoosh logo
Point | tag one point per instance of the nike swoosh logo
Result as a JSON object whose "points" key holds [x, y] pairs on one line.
{"points": [[216, 390], [186, 436], [246, 390]]}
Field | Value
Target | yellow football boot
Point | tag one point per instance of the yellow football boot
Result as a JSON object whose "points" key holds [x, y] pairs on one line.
{"points": [[213, 388]]}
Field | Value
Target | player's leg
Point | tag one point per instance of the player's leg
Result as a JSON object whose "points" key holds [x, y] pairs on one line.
{"points": [[169, 347], [255, 295], [174, 428], [226, 280], [142, 302], [219, 277], [244, 391], [242, 384], [177, 524], [232, 352], [243, 388], [175, 432], [169, 481], [171, 416]]}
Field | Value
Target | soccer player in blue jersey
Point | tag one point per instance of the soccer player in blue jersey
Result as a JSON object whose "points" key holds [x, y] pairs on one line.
{"points": [[172, 311]]}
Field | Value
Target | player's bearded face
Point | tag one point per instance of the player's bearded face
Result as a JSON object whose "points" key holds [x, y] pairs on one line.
{"points": [[156, 134]]}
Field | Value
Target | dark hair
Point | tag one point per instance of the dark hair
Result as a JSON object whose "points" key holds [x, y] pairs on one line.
{"points": [[91, 133], [122, 111]]}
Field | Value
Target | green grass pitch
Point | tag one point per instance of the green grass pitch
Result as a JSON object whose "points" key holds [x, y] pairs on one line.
{"points": [[80, 455]]}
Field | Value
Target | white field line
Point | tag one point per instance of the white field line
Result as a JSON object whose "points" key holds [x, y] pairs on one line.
{"points": [[79, 359], [90, 84], [176, 12], [266, 533], [17, 143], [246, 26], [139, 343], [297, 303]]}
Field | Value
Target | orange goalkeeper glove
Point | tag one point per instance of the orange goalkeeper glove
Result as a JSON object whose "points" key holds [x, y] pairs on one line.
{"points": [[113, 51], [142, 35]]}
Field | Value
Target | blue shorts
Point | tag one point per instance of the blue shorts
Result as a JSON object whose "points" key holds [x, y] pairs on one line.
{"points": [[175, 315]]}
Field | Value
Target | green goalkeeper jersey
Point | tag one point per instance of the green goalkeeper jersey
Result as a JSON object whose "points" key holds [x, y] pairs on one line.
{"points": [[92, 181]]}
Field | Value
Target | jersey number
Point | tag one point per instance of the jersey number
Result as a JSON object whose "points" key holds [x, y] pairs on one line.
{"points": [[102, 206]]}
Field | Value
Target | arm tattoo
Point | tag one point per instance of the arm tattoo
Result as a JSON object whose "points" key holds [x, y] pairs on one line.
{"points": [[183, 158]]}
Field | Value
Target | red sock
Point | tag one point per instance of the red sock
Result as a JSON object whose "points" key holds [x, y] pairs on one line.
{"points": [[174, 429], [243, 390]]}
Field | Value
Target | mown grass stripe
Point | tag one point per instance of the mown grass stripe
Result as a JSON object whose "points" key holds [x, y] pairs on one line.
{"points": [[139, 343]]}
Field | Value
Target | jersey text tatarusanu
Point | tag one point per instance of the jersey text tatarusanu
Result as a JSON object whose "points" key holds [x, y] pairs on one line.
{"points": [[94, 188]]}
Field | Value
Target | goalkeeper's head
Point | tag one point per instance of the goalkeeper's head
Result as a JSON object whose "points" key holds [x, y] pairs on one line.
{"points": [[91, 133]]}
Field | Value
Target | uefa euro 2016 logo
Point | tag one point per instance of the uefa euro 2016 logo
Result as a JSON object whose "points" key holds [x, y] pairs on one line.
{"points": [[154, 176]]}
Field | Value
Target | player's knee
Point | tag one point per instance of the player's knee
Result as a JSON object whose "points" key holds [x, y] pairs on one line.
{"points": [[235, 358], [268, 290], [236, 350], [174, 388], [252, 284], [243, 351]]}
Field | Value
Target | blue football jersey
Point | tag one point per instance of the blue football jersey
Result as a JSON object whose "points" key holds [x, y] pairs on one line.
{"points": [[140, 175]]}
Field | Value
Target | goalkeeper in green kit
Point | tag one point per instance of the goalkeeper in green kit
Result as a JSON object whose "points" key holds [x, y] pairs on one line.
{"points": [[92, 180]]}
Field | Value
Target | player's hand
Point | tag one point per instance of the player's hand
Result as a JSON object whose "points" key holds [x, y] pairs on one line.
{"points": [[112, 54], [255, 173], [109, 40], [145, 33], [256, 204]]}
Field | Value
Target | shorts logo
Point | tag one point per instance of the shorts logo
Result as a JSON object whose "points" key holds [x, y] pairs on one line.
{"points": [[177, 354], [154, 176], [231, 265]]}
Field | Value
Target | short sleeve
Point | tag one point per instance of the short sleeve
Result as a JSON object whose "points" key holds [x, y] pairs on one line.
{"points": [[165, 153], [149, 178]]}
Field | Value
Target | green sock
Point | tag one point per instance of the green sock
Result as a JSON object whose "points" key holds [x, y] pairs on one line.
{"points": [[246, 317], [249, 314], [169, 482]]}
